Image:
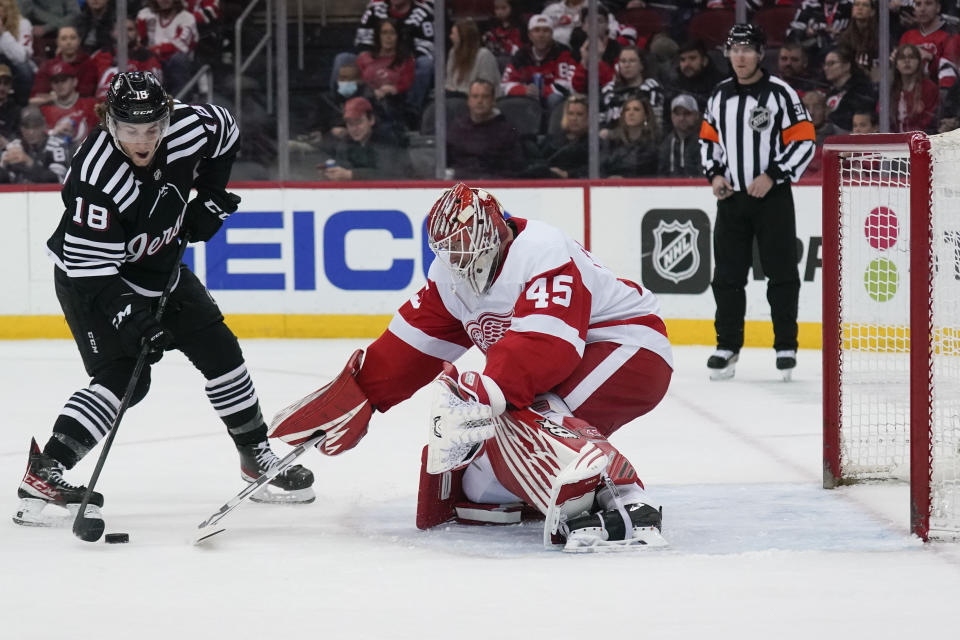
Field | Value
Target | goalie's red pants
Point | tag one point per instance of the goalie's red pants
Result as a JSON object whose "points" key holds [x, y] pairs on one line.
{"points": [[614, 384]]}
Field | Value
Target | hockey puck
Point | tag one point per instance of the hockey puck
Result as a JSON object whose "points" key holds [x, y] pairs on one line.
{"points": [[116, 538]]}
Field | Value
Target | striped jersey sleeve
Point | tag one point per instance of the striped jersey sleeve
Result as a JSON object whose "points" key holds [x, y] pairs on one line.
{"points": [[205, 129], [712, 155], [98, 189], [795, 147]]}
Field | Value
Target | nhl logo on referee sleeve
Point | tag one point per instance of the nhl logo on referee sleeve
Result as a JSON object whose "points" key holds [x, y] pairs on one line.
{"points": [[760, 118]]}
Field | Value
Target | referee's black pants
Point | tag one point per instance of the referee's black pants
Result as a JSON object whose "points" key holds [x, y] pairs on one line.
{"points": [[772, 221]]}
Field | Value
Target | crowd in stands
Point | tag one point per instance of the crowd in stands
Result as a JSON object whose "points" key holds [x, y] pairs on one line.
{"points": [[515, 82], [516, 79], [57, 58]]}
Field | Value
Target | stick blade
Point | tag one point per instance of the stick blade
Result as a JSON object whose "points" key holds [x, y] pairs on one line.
{"points": [[205, 533]]}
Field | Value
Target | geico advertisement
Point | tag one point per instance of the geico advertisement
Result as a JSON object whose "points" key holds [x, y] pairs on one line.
{"points": [[294, 251], [661, 237]]}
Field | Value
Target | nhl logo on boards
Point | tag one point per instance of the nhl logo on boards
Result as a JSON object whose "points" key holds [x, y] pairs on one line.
{"points": [[760, 118], [675, 255], [675, 250]]}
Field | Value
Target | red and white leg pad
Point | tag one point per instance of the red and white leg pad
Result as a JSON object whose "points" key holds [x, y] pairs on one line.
{"points": [[341, 409]]}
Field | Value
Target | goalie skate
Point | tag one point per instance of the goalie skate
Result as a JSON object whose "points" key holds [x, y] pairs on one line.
{"points": [[43, 485], [604, 531]]}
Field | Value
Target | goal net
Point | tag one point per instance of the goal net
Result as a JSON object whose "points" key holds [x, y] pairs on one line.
{"points": [[891, 319]]}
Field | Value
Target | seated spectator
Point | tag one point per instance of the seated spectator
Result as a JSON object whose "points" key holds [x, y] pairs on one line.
{"points": [[935, 41], [567, 15], [865, 122], [388, 71], [816, 104], [543, 69], [564, 154], [94, 24], [415, 18], [326, 124], [467, 60], [9, 109], [68, 115], [914, 97], [69, 52], [696, 74], [16, 48], [849, 89], [630, 79], [170, 31], [47, 16], [139, 58], [818, 23], [792, 68], [206, 12], [503, 37], [680, 150], [631, 150], [860, 36], [34, 157], [950, 115], [482, 144], [580, 48], [362, 154]]}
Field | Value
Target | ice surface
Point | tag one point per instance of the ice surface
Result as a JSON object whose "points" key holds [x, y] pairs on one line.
{"points": [[759, 550]]}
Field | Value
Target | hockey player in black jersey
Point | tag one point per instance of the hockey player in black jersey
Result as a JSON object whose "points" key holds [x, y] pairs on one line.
{"points": [[126, 210]]}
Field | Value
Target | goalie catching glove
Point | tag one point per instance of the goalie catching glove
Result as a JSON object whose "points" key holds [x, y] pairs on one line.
{"points": [[463, 416], [207, 212], [341, 409]]}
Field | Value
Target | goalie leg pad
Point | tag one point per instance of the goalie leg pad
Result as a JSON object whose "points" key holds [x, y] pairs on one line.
{"points": [[341, 409]]}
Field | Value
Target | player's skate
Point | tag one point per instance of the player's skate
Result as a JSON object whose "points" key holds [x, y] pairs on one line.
{"points": [[606, 530], [786, 363], [43, 485], [293, 486], [722, 364]]}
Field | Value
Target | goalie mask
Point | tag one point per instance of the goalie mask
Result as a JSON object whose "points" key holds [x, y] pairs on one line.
{"points": [[467, 231], [138, 110]]}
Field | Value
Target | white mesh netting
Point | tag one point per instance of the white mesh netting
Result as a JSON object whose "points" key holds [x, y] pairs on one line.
{"points": [[875, 318], [945, 340]]}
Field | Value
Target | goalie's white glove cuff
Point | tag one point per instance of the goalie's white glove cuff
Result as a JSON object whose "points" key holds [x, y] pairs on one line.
{"points": [[482, 389]]}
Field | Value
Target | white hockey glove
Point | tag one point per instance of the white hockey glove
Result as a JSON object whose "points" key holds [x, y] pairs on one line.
{"points": [[463, 416]]}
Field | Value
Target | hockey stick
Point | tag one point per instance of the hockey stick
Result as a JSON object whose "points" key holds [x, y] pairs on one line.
{"points": [[90, 529], [209, 527]]}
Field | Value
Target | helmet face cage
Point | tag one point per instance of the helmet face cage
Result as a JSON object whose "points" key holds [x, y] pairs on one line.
{"points": [[466, 230], [137, 98]]}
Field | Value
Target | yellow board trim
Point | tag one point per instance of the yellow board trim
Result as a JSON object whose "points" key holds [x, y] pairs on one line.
{"points": [[682, 332]]}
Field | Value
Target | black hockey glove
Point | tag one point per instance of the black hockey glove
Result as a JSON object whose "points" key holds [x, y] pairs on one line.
{"points": [[132, 316], [206, 213]]}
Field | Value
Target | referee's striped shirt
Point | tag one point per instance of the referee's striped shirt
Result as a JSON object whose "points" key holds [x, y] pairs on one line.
{"points": [[756, 128]]}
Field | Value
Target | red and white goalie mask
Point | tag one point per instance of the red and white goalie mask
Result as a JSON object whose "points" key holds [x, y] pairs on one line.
{"points": [[467, 231]]}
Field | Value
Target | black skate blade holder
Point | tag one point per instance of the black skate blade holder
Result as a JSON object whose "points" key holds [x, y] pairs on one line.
{"points": [[91, 529]]}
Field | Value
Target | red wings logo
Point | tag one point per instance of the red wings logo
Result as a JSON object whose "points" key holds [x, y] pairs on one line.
{"points": [[486, 330]]}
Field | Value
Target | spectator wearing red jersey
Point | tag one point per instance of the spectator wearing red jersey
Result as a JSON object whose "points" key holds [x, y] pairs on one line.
{"points": [[580, 47], [388, 70], [935, 42], [503, 37], [205, 12], [69, 52], [543, 69], [69, 116], [914, 97], [139, 58], [170, 31]]}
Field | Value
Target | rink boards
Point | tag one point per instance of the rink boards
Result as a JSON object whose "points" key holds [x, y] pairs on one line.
{"points": [[319, 260]]}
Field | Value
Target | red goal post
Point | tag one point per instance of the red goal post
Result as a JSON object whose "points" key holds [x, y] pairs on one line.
{"points": [[891, 319]]}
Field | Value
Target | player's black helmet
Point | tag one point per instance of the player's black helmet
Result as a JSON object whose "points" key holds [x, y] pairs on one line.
{"points": [[749, 34], [137, 97]]}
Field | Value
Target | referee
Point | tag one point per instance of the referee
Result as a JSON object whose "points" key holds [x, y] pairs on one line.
{"points": [[756, 138]]}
